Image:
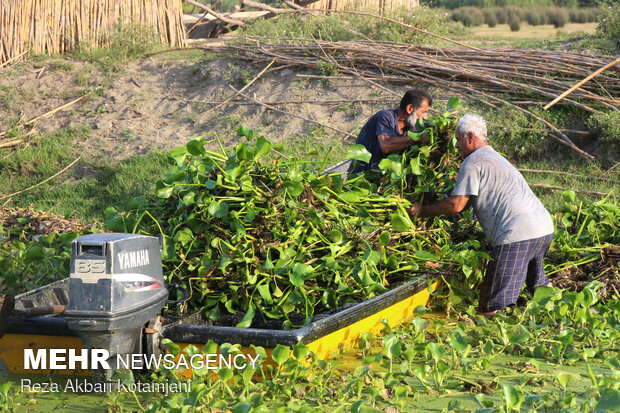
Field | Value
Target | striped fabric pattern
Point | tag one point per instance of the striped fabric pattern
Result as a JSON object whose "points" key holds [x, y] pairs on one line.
{"points": [[511, 266]]}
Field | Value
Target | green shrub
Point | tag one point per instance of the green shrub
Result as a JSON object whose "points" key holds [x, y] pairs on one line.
{"points": [[609, 24], [606, 127], [535, 17], [491, 20], [489, 17], [500, 15], [514, 13], [593, 14], [557, 16], [470, 16], [515, 24], [573, 15]]}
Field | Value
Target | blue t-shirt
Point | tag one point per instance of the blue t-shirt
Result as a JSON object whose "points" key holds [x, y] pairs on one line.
{"points": [[385, 123]]}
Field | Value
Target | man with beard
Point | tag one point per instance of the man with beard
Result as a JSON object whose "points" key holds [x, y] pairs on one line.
{"points": [[386, 131]]}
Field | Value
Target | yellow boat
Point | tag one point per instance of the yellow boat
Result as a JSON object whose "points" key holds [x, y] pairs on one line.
{"points": [[325, 337], [115, 293]]}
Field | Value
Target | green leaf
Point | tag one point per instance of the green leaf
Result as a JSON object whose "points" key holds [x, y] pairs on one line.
{"points": [[210, 184], [511, 397], [544, 294], [609, 401], [168, 248], [300, 351], [425, 255], [415, 166], [242, 152], [263, 147], [392, 164], [420, 324], [459, 343], [392, 346], [399, 224], [335, 236], [34, 253], [280, 354], [359, 407], [416, 136], [196, 147], [294, 188], [136, 202], [350, 197], [224, 374], [265, 294], [188, 199], [173, 348], [437, 351], [191, 350], [113, 221], [243, 131], [165, 192], [178, 154], [184, 236], [218, 209], [454, 103], [4, 388], [569, 196], [359, 153], [210, 347], [246, 321], [384, 238], [297, 277], [519, 335]]}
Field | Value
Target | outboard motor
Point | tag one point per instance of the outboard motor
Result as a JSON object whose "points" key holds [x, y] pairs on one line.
{"points": [[116, 287]]}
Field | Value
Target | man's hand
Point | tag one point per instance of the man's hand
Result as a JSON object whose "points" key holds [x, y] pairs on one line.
{"points": [[415, 210], [451, 205]]}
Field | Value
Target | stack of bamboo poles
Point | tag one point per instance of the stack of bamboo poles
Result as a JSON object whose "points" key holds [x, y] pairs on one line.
{"points": [[56, 26], [384, 6], [494, 77]]}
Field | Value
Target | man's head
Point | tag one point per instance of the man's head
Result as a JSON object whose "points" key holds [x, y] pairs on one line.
{"points": [[415, 104], [471, 134]]}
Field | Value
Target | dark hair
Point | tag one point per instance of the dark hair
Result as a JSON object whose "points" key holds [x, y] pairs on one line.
{"points": [[415, 97]]}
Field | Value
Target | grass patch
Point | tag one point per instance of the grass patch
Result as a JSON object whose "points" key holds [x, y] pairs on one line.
{"points": [[189, 56], [86, 189], [126, 42], [313, 147]]}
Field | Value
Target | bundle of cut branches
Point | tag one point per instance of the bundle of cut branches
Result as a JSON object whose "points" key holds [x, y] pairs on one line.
{"points": [[491, 76]]}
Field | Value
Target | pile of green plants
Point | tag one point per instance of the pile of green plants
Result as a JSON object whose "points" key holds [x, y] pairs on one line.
{"points": [[279, 240]]}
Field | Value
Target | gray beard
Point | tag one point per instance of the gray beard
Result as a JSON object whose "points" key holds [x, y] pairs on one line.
{"points": [[411, 120]]}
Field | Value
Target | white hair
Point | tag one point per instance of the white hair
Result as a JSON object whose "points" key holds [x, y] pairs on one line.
{"points": [[472, 123]]}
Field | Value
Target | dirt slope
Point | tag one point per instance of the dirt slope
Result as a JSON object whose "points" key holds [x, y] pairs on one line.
{"points": [[158, 103]]}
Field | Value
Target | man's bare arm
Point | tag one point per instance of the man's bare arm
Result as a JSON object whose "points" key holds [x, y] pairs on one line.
{"points": [[449, 206], [391, 144]]}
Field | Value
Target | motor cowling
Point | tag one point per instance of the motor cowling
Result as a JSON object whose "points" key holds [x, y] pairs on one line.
{"points": [[116, 287]]}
